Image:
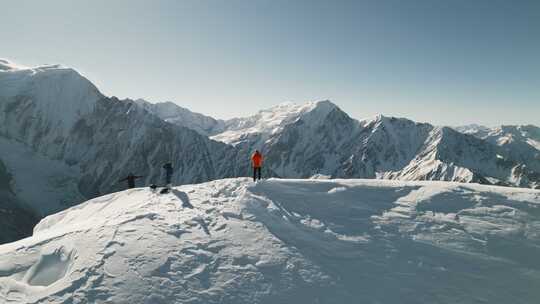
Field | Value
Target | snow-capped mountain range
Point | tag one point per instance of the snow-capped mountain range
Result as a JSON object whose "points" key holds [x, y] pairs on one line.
{"points": [[62, 142], [319, 138]]}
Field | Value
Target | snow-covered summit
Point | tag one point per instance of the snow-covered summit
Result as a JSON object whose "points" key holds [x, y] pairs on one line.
{"points": [[55, 95], [505, 134], [254, 129], [473, 129], [284, 241], [6, 65], [521, 142], [257, 129], [175, 114], [508, 134]]}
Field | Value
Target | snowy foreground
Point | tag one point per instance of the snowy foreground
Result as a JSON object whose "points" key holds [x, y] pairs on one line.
{"points": [[285, 241]]}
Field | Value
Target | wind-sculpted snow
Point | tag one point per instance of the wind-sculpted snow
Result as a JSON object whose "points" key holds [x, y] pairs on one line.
{"points": [[285, 241]]}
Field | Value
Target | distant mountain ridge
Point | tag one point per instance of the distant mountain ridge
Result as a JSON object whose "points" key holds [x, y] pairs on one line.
{"points": [[520, 142], [319, 138]]}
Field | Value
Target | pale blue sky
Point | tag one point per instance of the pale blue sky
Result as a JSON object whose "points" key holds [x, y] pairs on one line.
{"points": [[445, 62]]}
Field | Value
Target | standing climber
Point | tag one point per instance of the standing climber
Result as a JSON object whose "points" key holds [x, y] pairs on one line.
{"points": [[168, 174], [256, 161], [130, 180]]}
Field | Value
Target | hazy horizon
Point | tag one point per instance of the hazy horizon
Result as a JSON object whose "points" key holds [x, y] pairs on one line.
{"points": [[447, 63]]}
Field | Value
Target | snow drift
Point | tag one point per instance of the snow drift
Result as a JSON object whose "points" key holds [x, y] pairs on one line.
{"points": [[285, 241]]}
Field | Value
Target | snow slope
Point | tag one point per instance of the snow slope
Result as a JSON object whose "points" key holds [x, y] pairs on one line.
{"points": [[520, 142], [285, 241], [46, 186], [55, 96]]}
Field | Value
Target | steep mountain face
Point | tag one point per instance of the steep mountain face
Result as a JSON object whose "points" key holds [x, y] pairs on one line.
{"points": [[128, 139], [315, 142], [172, 113], [473, 129], [256, 130], [520, 142], [450, 155], [38, 107], [284, 241], [384, 144], [17, 219], [48, 99], [252, 131], [63, 141]]}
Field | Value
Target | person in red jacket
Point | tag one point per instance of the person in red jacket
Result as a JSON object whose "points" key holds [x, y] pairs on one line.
{"points": [[256, 161]]}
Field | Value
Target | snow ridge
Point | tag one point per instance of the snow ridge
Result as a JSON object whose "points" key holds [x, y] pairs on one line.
{"points": [[284, 241]]}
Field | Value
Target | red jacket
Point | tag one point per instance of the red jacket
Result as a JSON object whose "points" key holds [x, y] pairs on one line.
{"points": [[256, 160]]}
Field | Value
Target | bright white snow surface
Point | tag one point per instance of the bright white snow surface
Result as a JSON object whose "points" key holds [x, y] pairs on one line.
{"points": [[61, 94], [269, 122], [285, 241]]}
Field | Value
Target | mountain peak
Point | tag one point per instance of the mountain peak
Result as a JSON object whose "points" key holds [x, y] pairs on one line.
{"points": [[59, 93], [7, 65], [324, 105], [175, 114], [385, 121], [10, 66]]}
